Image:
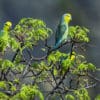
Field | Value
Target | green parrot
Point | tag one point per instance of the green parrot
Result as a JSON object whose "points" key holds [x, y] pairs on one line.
{"points": [[62, 30], [4, 36]]}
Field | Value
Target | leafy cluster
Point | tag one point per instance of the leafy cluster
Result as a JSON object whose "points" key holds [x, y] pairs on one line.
{"points": [[29, 31], [79, 34], [52, 76], [28, 92], [81, 94]]}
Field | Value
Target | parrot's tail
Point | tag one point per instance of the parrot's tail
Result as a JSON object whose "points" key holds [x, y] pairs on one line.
{"points": [[55, 47], [57, 44]]}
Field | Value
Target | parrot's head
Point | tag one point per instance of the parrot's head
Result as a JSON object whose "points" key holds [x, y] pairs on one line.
{"points": [[7, 25], [67, 17]]}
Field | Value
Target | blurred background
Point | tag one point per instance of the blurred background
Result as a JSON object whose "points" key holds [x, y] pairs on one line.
{"points": [[84, 13]]}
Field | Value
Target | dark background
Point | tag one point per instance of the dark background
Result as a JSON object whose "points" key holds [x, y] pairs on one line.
{"points": [[84, 13]]}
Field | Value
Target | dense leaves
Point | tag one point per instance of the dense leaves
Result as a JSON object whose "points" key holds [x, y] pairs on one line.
{"points": [[78, 33], [54, 75], [28, 93], [29, 31]]}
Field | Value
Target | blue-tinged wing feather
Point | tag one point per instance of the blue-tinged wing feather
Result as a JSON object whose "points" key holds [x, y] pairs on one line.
{"points": [[60, 32]]}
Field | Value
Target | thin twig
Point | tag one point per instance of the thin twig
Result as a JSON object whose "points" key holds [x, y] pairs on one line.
{"points": [[93, 77], [59, 83]]}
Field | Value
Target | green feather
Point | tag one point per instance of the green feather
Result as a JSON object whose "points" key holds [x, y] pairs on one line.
{"points": [[62, 30], [4, 39], [61, 34]]}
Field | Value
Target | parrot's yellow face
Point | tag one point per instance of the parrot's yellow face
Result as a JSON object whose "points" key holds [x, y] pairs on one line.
{"points": [[67, 18], [7, 25]]}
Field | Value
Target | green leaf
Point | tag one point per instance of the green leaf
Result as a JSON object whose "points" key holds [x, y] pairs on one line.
{"points": [[43, 49], [69, 97], [82, 67], [72, 31], [97, 97], [6, 64], [13, 88], [55, 72], [20, 67], [35, 65], [56, 56], [3, 45], [28, 92], [43, 66], [91, 67], [86, 66], [66, 64], [79, 33], [3, 84], [82, 94], [14, 44], [3, 96]]}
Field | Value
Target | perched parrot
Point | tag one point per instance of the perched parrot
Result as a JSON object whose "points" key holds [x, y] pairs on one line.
{"points": [[62, 30], [4, 36]]}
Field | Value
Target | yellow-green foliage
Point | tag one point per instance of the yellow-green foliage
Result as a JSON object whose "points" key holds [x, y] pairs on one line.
{"points": [[86, 66], [55, 68], [69, 97], [5, 64], [82, 94], [56, 57], [28, 92], [3, 84], [31, 31], [3, 96], [78, 33], [97, 97]]}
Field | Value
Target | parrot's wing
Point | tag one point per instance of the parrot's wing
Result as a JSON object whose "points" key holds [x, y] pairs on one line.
{"points": [[1, 33], [60, 32], [4, 35]]}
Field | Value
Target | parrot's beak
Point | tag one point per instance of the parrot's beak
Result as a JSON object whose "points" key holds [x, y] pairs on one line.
{"points": [[71, 18]]}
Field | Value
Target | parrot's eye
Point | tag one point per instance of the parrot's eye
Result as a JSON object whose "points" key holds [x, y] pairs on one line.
{"points": [[6, 24], [68, 15]]}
